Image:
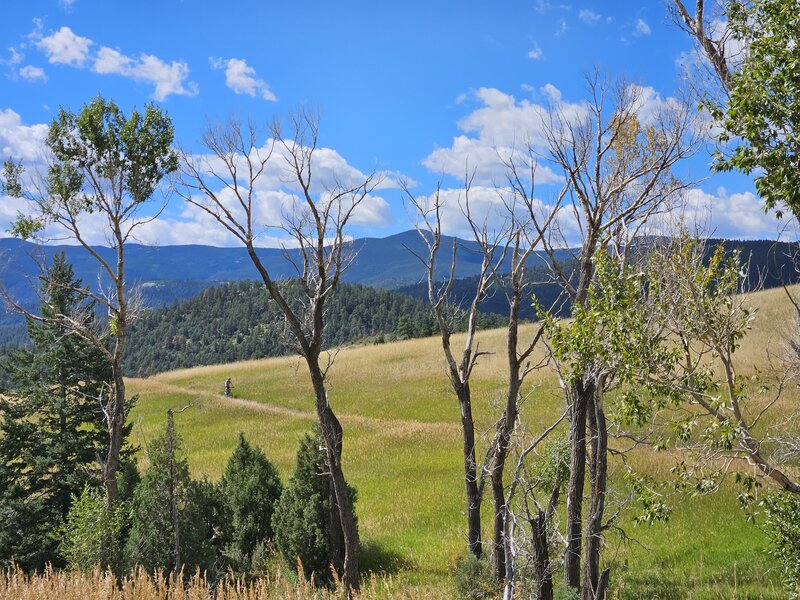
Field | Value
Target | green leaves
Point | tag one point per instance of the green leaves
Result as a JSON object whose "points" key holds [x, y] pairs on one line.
{"points": [[102, 161], [11, 183], [763, 113]]}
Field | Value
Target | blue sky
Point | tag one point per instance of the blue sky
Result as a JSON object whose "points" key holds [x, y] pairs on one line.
{"points": [[414, 88]]}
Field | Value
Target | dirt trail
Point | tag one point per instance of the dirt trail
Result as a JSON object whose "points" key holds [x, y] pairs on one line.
{"points": [[396, 426]]}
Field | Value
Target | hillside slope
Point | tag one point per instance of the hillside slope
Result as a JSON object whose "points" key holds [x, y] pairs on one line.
{"points": [[403, 450]]}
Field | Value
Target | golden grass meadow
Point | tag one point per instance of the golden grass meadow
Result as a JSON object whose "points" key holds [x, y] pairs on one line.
{"points": [[403, 453]]}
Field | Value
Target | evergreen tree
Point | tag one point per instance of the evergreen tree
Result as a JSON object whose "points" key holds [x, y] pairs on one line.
{"points": [[51, 424], [302, 521], [250, 488], [169, 525]]}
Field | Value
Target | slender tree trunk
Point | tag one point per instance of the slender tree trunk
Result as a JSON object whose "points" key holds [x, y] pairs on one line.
{"points": [[335, 533], [579, 400], [541, 557], [115, 420], [333, 435], [598, 477], [470, 472], [505, 429]]}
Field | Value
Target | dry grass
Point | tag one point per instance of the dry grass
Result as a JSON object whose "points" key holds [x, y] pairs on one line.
{"points": [[62, 585]]}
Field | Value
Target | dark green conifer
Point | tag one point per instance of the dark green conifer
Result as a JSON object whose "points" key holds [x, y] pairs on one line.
{"points": [[51, 424], [302, 521], [250, 488]]}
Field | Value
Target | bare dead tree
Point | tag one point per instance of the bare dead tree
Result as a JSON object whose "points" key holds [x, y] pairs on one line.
{"points": [[533, 543], [617, 163], [315, 219], [108, 165], [516, 239], [459, 368]]}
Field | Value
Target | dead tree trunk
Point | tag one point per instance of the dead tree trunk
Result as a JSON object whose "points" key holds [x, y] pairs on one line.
{"points": [[598, 478], [580, 398]]}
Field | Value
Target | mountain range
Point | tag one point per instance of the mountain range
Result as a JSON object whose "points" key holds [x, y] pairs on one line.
{"points": [[173, 273]]}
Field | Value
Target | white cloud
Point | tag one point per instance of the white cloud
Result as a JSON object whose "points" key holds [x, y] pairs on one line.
{"points": [[64, 47], [737, 215], [487, 204], [32, 73], [589, 16], [18, 140], [240, 77], [546, 6], [14, 57], [536, 52], [66, 4], [501, 128], [641, 28], [168, 78]]}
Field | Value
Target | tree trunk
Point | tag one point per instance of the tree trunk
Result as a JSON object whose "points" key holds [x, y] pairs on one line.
{"points": [[470, 472], [598, 477], [115, 420], [333, 435], [579, 400], [335, 533], [504, 431], [541, 557]]}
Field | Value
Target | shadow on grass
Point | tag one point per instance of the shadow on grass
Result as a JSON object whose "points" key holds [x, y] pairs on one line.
{"points": [[382, 561]]}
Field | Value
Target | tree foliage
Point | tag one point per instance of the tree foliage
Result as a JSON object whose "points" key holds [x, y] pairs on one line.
{"points": [[250, 489], [762, 117], [302, 519], [170, 526], [93, 534], [51, 426]]}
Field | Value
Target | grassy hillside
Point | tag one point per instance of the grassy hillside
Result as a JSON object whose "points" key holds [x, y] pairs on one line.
{"points": [[403, 453]]}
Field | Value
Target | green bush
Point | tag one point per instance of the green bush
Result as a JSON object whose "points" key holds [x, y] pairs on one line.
{"points": [[474, 579], [782, 523], [302, 520], [92, 535], [250, 489]]}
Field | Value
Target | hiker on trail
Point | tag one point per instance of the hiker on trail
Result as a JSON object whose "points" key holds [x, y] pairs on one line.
{"points": [[228, 386]]}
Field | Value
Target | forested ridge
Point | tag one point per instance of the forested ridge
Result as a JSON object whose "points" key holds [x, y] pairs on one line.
{"points": [[238, 321]]}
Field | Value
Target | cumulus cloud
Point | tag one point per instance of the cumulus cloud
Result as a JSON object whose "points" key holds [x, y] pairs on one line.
{"points": [[589, 16], [641, 28], [536, 52], [168, 78], [20, 141], [276, 193], [738, 215], [32, 73], [240, 77], [500, 129], [64, 47]]}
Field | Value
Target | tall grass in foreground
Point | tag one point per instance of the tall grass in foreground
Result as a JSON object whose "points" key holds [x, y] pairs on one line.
{"points": [[98, 585]]}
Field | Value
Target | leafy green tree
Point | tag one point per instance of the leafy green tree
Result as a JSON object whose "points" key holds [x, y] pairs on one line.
{"points": [[250, 489], [754, 92], [92, 534], [763, 112], [170, 528], [302, 519], [51, 425], [108, 164]]}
